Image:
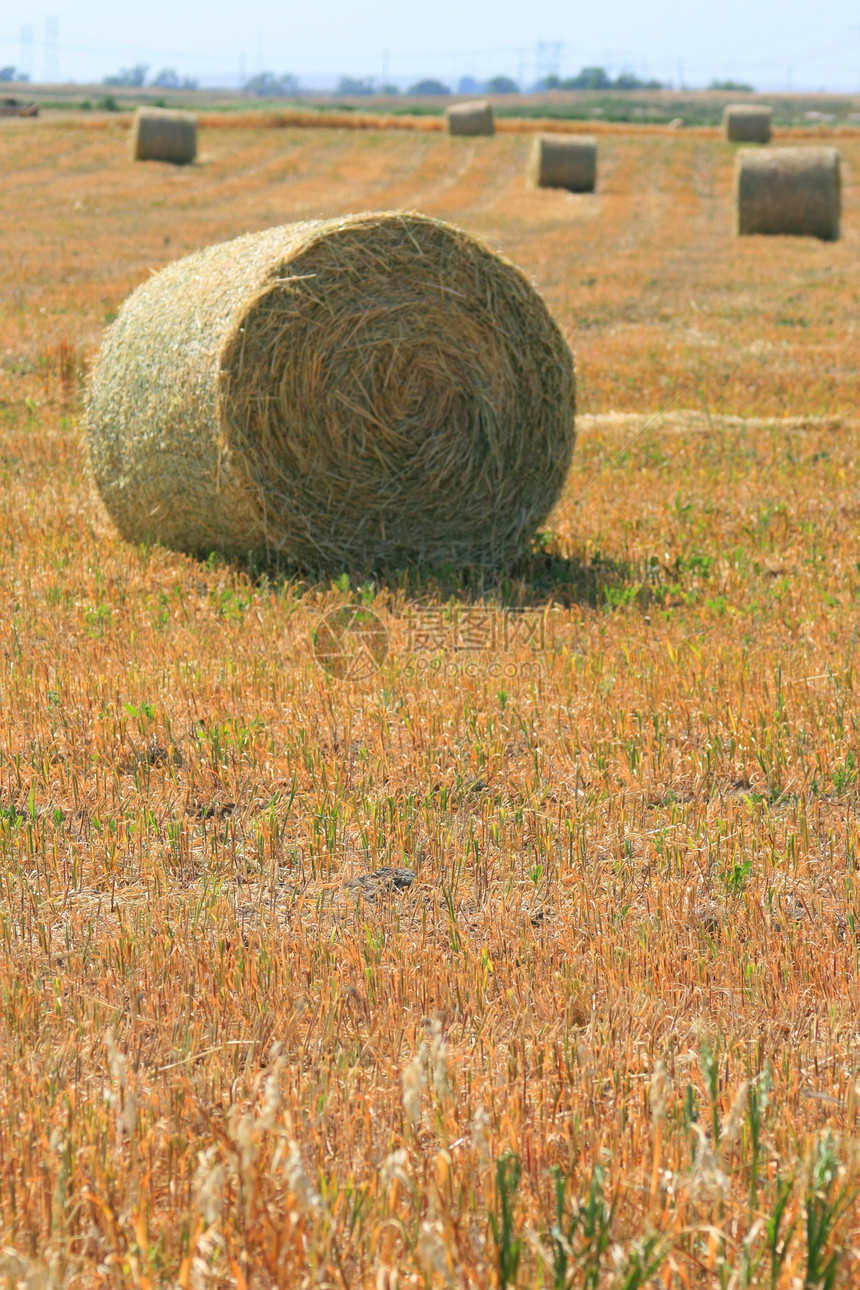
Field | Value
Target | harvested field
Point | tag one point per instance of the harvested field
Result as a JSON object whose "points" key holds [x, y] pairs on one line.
{"points": [[619, 996]]}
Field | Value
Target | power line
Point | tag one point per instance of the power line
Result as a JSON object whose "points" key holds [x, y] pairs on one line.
{"points": [[544, 56], [112, 51]]}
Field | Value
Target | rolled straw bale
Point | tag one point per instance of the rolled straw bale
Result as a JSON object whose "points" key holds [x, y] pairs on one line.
{"points": [[159, 134], [376, 390], [788, 190], [747, 122], [564, 161], [471, 118]]}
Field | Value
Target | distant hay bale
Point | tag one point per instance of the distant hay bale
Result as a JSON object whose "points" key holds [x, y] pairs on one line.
{"points": [[747, 122], [475, 118], [159, 134], [377, 390], [564, 161], [788, 190]]}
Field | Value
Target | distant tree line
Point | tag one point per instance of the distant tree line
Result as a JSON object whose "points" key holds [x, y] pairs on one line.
{"points": [[270, 85], [597, 78], [263, 85], [354, 86], [12, 74], [348, 85], [736, 87], [590, 78], [135, 78]]}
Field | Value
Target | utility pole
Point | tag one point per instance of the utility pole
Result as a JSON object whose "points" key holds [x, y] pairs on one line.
{"points": [[384, 68]]}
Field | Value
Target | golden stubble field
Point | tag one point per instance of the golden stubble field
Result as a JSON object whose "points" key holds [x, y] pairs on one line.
{"points": [[608, 1032]]}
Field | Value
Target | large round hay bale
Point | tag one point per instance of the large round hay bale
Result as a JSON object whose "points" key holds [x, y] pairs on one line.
{"points": [[159, 134], [747, 122], [377, 390], [471, 118], [788, 190], [564, 161]]}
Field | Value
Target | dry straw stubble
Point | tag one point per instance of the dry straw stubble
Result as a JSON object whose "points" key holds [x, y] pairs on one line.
{"points": [[564, 161], [475, 118], [747, 122], [788, 190], [377, 390], [160, 134]]}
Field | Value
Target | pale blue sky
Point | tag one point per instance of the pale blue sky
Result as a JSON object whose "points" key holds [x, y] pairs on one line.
{"points": [[768, 42]]}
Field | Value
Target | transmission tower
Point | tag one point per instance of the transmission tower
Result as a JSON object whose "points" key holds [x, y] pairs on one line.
{"points": [[52, 52], [27, 67], [548, 58]]}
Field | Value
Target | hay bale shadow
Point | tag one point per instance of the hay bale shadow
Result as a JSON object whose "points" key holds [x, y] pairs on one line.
{"points": [[544, 576]]}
